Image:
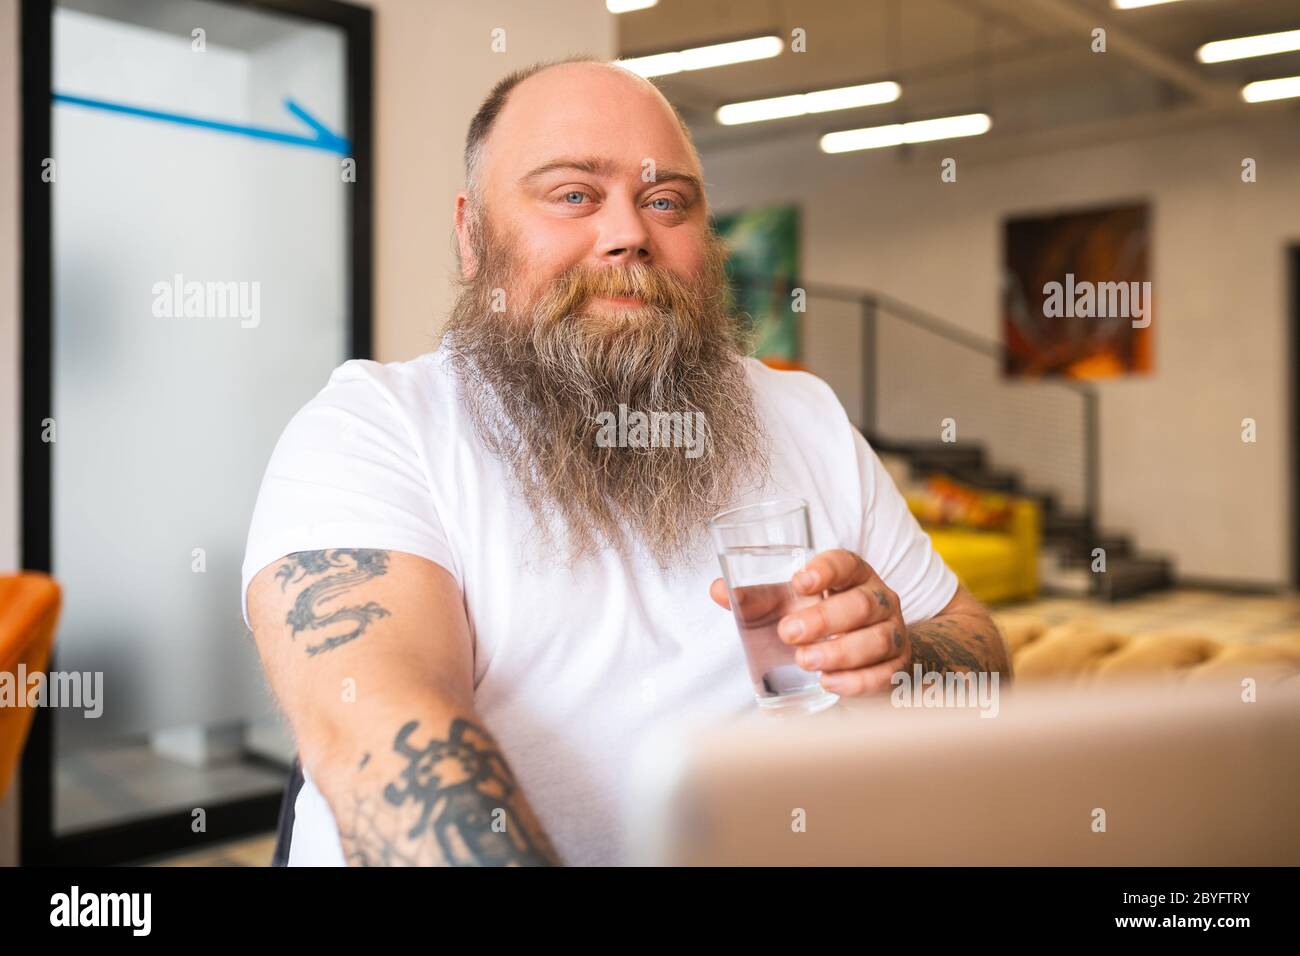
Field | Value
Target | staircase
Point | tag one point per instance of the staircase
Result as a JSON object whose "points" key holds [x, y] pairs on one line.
{"points": [[1065, 560], [912, 370]]}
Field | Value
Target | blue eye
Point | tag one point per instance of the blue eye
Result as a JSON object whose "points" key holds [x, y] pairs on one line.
{"points": [[672, 204], [574, 192]]}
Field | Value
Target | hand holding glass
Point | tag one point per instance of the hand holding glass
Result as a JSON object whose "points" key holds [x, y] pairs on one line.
{"points": [[760, 548]]}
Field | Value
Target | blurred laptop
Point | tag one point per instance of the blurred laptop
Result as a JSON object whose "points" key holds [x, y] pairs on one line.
{"points": [[1131, 774]]}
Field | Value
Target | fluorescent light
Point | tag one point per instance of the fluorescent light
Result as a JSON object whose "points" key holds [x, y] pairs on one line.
{"points": [[627, 6], [1263, 90], [798, 104], [1134, 4], [921, 131], [703, 57], [1242, 47]]}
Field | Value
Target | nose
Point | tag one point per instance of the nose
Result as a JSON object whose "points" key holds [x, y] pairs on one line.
{"points": [[624, 238]]}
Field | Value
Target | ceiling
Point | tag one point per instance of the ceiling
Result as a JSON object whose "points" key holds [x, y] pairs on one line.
{"points": [[1028, 63]]}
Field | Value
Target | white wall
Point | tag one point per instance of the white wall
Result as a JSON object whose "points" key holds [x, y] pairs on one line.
{"points": [[1174, 470], [434, 66]]}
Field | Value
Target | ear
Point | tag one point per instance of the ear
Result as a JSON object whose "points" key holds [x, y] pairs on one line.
{"points": [[468, 261]]}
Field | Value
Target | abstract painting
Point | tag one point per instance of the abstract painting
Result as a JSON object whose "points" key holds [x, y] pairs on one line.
{"points": [[1076, 297], [762, 266]]}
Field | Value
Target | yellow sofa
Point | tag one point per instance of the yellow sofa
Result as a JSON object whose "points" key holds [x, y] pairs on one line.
{"points": [[995, 566]]}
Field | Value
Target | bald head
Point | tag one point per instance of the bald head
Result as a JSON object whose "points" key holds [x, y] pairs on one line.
{"points": [[576, 75]]}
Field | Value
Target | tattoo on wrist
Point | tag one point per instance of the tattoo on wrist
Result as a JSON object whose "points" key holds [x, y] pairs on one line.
{"points": [[336, 572], [937, 646]]}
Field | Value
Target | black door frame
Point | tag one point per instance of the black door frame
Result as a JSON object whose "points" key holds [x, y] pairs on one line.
{"points": [[153, 836], [1293, 403]]}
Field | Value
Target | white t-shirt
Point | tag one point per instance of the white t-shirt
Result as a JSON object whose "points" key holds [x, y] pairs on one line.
{"points": [[570, 670]]}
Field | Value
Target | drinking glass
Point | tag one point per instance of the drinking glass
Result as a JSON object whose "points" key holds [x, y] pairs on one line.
{"points": [[760, 547]]}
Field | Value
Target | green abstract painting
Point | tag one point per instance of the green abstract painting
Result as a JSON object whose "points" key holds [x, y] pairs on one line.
{"points": [[762, 266]]}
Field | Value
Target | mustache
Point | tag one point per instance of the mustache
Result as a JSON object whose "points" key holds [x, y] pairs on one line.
{"points": [[655, 287]]}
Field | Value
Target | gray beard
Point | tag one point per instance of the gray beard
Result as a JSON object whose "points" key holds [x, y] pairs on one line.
{"points": [[546, 392]]}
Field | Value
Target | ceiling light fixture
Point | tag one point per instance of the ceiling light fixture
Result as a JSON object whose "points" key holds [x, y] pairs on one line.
{"points": [[1261, 91], [627, 6], [703, 57], [1134, 4], [896, 134], [1240, 48], [800, 104]]}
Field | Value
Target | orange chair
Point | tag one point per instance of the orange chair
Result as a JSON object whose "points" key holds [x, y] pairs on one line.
{"points": [[29, 611]]}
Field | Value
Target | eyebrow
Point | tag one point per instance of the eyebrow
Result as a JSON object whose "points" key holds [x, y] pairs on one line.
{"points": [[606, 167]]}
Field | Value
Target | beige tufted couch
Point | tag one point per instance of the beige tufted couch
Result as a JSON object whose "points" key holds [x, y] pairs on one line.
{"points": [[1083, 650]]}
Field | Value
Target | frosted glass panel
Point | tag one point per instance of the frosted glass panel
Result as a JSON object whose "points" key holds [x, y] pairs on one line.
{"points": [[207, 164]]}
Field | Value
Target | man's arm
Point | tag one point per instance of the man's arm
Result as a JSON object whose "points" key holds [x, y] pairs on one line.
{"points": [[961, 637], [370, 656]]}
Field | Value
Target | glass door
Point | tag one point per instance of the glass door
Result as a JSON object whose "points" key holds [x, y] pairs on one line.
{"points": [[209, 268]]}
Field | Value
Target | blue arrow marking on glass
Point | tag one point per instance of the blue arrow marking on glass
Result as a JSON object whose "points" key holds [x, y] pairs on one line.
{"points": [[322, 137]]}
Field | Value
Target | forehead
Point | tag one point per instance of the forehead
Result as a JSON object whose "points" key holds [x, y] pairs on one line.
{"points": [[586, 109]]}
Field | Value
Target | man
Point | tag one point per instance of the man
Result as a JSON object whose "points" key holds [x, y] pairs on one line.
{"points": [[469, 606]]}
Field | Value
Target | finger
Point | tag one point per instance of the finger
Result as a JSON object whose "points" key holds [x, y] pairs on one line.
{"points": [[718, 591], [832, 570], [760, 605], [856, 649], [840, 613], [865, 680]]}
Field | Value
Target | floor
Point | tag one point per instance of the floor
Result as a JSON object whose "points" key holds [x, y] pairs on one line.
{"points": [[253, 851], [1222, 616], [105, 785], [124, 779]]}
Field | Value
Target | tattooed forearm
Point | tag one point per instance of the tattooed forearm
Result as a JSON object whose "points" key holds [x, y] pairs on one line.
{"points": [[334, 572], [949, 645], [450, 801]]}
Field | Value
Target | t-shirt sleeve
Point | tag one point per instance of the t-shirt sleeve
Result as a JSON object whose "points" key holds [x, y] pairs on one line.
{"points": [[895, 545], [345, 473]]}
